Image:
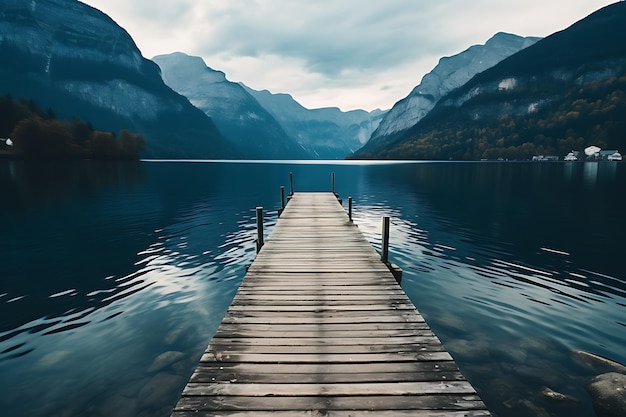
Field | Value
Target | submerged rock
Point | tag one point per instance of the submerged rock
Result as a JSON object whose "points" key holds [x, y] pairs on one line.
{"points": [[608, 394], [551, 395], [53, 358], [174, 335], [598, 362], [119, 406], [468, 350], [532, 409], [164, 360], [161, 390]]}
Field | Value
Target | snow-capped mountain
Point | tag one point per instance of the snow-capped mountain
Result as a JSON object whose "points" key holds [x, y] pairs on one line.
{"points": [[326, 133], [71, 57], [451, 72], [238, 116]]}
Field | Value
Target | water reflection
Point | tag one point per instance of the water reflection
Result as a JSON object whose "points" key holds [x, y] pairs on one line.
{"points": [[590, 172], [31, 185]]}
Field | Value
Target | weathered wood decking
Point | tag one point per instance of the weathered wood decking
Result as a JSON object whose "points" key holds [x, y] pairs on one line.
{"points": [[319, 327]]}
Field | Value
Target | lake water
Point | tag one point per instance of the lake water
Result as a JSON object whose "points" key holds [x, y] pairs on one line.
{"points": [[114, 276]]}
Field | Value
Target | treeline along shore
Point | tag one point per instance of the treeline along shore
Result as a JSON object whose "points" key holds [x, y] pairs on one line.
{"points": [[29, 132]]}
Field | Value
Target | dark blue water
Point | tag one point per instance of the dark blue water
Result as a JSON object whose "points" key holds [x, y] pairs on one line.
{"points": [[114, 276]]}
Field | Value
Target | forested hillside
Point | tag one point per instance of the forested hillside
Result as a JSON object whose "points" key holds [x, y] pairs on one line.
{"points": [[590, 114], [33, 133]]}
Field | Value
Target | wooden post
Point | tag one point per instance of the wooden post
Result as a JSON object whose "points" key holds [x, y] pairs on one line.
{"points": [[350, 208], [333, 187], [395, 270], [282, 200], [291, 183], [385, 242], [259, 227]]}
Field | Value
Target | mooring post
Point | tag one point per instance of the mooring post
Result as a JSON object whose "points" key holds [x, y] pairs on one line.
{"points": [[395, 270], [332, 180], [282, 200], [350, 208], [259, 227], [385, 243], [291, 183]]}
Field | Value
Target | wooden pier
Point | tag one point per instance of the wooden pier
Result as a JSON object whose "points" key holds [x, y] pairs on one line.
{"points": [[320, 327]]}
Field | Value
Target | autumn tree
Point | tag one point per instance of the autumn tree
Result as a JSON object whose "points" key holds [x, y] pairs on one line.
{"points": [[39, 138]]}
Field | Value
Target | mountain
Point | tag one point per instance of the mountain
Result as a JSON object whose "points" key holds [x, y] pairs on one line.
{"points": [[262, 124], [237, 115], [567, 91], [450, 73], [326, 133], [74, 59]]}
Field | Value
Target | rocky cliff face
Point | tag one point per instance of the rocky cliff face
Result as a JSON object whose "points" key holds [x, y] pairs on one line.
{"points": [[451, 72], [564, 92], [326, 133], [238, 116], [73, 58]]}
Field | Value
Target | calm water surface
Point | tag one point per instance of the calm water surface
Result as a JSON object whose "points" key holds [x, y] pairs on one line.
{"points": [[114, 276]]}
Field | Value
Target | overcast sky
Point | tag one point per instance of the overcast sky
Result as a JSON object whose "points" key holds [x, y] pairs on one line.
{"points": [[333, 53]]}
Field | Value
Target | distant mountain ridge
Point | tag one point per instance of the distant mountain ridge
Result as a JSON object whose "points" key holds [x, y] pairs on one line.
{"points": [[262, 124], [73, 58], [450, 73], [565, 92], [326, 133], [238, 116]]}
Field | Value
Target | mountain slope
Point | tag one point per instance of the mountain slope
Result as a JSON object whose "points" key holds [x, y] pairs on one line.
{"points": [[565, 92], [238, 116], [73, 58], [327, 133], [451, 72]]}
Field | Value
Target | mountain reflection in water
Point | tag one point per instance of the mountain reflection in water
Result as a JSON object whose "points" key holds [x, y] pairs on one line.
{"points": [[114, 276]]}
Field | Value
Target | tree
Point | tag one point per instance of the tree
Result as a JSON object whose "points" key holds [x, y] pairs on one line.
{"points": [[11, 112], [131, 144], [38, 138], [81, 131], [102, 145]]}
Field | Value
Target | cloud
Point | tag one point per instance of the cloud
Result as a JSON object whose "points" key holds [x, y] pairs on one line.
{"points": [[332, 52], [329, 37]]}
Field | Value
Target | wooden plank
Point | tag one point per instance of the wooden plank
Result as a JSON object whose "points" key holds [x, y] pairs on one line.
{"points": [[322, 293], [329, 373], [364, 358], [277, 297], [414, 328], [331, 351], [317, 305], [217, 376], [240, 368], [452, 402], [319, 327], [258, 340], [328, 314], [333, 413], [337, 389], [329, 334], [307, 320], [357, 285]]}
